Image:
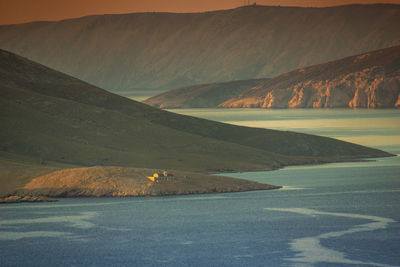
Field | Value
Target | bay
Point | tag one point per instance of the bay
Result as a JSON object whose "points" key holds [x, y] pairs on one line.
{"points": [[342, 214]]}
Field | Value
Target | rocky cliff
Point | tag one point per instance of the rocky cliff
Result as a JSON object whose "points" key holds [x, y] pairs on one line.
{"points": [[370, 80]]}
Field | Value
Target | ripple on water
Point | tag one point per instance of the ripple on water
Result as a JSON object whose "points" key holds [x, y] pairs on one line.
{"points": [[309, 249]]}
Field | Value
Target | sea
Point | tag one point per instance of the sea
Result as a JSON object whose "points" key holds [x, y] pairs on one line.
{"points": [[340, 214]]}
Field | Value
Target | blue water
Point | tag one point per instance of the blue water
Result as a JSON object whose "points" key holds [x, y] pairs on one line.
{"points": [[342, 214]]}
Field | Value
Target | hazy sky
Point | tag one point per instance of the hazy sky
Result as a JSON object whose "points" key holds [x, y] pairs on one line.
{"points": [[20, 11]]}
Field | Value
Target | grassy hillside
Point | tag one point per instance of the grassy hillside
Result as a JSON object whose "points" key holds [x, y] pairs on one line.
{"points": [[50, 120], [167, 50]]}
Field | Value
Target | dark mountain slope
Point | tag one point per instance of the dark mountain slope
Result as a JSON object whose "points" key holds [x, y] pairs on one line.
{"points": [[74, 124], [166, 50], [49, 116]]}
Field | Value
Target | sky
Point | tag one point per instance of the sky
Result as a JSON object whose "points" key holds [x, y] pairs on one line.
{"points": [[21, 11]]}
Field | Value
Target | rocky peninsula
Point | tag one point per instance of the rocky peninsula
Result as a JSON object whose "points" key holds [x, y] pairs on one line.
{"points": [[130, 182]]}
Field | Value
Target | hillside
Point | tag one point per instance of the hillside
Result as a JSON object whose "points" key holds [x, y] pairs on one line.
{"points": [[165, 50], [203, 95], [51, 121], [53, 117], [370, 80]]}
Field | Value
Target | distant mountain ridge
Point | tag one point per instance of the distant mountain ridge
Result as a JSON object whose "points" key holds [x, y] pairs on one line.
{"points": [[167, 50], [370, 80]]}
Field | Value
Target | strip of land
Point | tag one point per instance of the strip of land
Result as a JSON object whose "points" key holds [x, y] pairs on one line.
{"points": [[128, 182]]}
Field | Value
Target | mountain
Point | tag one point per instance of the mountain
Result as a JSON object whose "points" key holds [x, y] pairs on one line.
{"points": [[162, 51], [203, 95], [369, 80], [53, 117], [51, 120]]}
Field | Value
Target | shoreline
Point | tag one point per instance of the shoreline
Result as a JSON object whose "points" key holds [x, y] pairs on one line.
{"points": [[14, 199], [33, 195], [368, 159], [125, 182]]}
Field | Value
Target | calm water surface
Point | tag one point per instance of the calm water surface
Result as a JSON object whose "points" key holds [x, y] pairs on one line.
{"points": [[376, 128], [344, 214]]}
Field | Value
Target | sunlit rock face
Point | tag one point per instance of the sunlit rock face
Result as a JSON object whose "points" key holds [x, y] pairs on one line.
{"points": [[397, 104], [379, 93], [371, 80], [353, 91]]}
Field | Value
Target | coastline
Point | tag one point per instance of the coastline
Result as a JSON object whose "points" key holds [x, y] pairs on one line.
{"points": [[310, 163], [185, 183], [125, 182], [23, 199]]}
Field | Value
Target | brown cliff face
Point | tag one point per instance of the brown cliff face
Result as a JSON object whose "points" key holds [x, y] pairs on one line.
{"points": [[370, 80], [397, 104]]}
